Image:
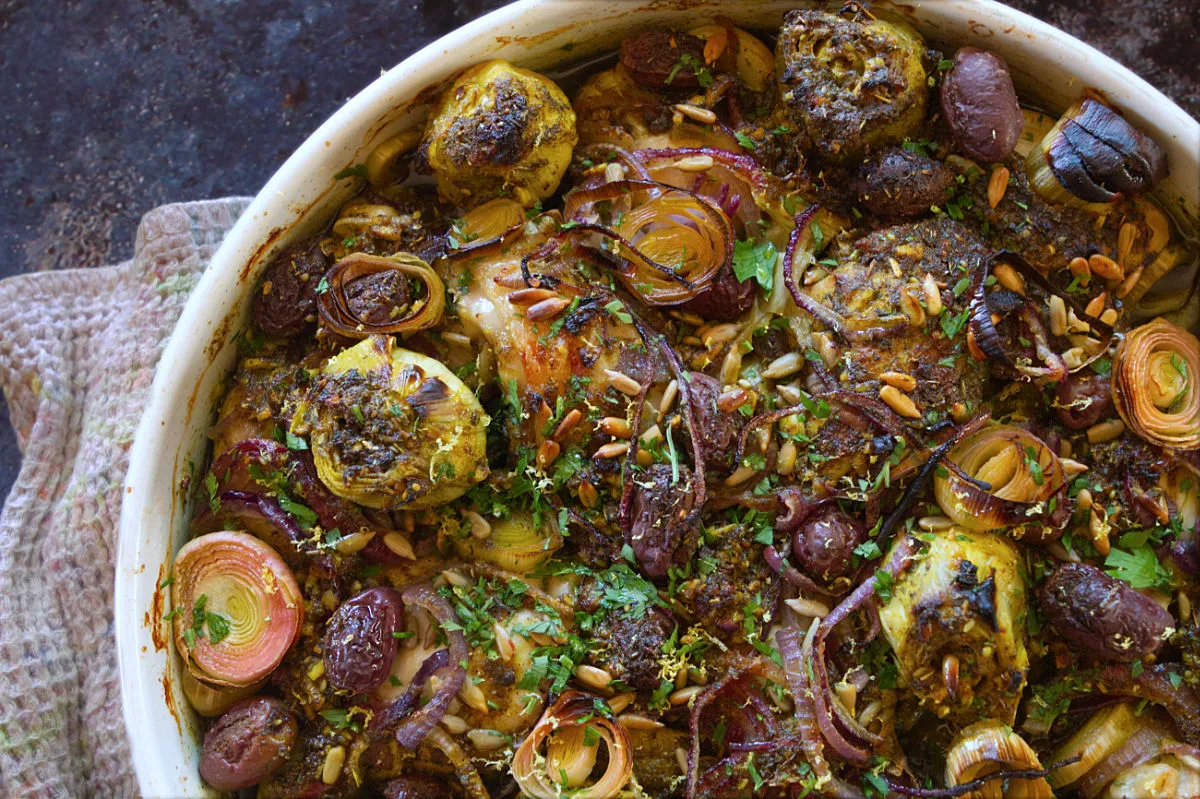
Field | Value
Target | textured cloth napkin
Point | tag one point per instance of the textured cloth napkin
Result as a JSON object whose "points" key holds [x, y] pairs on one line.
{"points": [[77, 356]]}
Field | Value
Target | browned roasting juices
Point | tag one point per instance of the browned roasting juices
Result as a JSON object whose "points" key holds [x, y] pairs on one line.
{"points": [[757, 421]]}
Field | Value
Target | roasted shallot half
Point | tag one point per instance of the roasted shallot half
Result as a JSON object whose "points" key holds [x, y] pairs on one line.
{"points": [[237, 608], [1155, 385], [367, 295], [561, 752]]}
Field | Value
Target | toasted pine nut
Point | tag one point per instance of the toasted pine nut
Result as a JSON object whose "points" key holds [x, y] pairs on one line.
{"points": [[480, 527], [784, 365], [684, 695], [740, 475], [349, 544], [588, 494], [1125, 241], [1110, 316], [702, 115], [621, 701], [1072, 467], [681, 759], [644, 458], [1074, 358], [687, 317], [450, 337], [681, 679], [847, 694], [623, 382], [900, 380], [731, 399], [826, 349], [1105, 267], [400, 545], [546, 309], [474, 696], [487, 740], [593, 677], [912, 308], [973, 346], [1009, 278], [613, 172], [616, 449], [935, 523], [1096, 304], [694, 163], [615, 426], [1079, 268], [785, 464], [1185, 606], [997, 185], [1058, 315], [455, 725], [718, 335], [933, 295], [899, 402], [651, 435], [1105, 431], [1099, 529], [530, 296], [335, 758], [456, 578], [959, 412], [789, 392], [636, 721], [1130, 282], [670, 394], [547, 453], [505, 645], [1084, 499], [870, 712], [808, 607], [567, 424]]}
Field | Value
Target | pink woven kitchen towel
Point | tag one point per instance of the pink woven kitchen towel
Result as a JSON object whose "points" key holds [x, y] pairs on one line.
{"points": [[77, 356]]}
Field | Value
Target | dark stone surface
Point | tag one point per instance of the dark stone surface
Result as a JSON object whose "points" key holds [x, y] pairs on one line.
{"points": [[111, 107]]}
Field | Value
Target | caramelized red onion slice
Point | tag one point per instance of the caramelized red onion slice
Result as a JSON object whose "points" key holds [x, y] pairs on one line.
{"points": [[1053, 368], [796, 669], [672, 241], [424, 310], [557, 745], [1004, 476], [1156, 385], [411, 725], [1157, 685], [237, 608]]}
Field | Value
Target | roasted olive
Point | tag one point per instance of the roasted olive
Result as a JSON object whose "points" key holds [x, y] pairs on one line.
{"points": [[359, 642], [980, 105], [1084, 398], [657, 531], [902, 184], [717, 430], [850, 84], [247, 744], [823, 547], [1102, 616], [286, 302], [726, 298], [661, 59]]}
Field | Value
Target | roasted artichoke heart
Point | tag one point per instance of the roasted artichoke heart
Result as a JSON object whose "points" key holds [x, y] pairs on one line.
{"points": [[956, 621], [391, 428], [500, 130], [850, 84]]}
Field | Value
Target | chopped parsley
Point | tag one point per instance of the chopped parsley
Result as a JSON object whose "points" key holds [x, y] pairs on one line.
{"points": [[755, 261]]}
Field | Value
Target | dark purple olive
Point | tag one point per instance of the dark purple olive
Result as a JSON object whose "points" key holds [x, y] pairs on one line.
{"points": [[980, 105], [660, 59], [247, 744], [286, 302], [725, 298], [902, 184], [823, 547], [1084, 398], [1102, 616], [717, 430], [657, 531], [359, 641]]}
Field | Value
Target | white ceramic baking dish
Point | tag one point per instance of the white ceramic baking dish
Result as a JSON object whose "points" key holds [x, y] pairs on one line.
{"points": [[1050, 69]]}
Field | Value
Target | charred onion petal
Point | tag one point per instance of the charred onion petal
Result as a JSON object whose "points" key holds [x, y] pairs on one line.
{"points": [[988, 338], [412, 726], [989, 746], [1004, 476], [338, 309], [672, 240], [557, 745], [976, 784], [237, 608], [1156, 385], [1162, 685]]}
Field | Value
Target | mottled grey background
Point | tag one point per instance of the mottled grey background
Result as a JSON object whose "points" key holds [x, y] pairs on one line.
{"points": [[111, 107]]}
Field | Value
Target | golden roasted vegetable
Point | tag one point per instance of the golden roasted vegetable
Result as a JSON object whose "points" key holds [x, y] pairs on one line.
{"points": [[956, 621], [990, 746], [1156, 385], [850, 84], [1100, 736], [500, 130], [392, 428], [514, 544]]}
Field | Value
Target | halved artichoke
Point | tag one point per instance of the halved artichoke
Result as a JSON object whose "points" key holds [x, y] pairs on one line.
{"points": [[956, 621], [392, 428]]}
